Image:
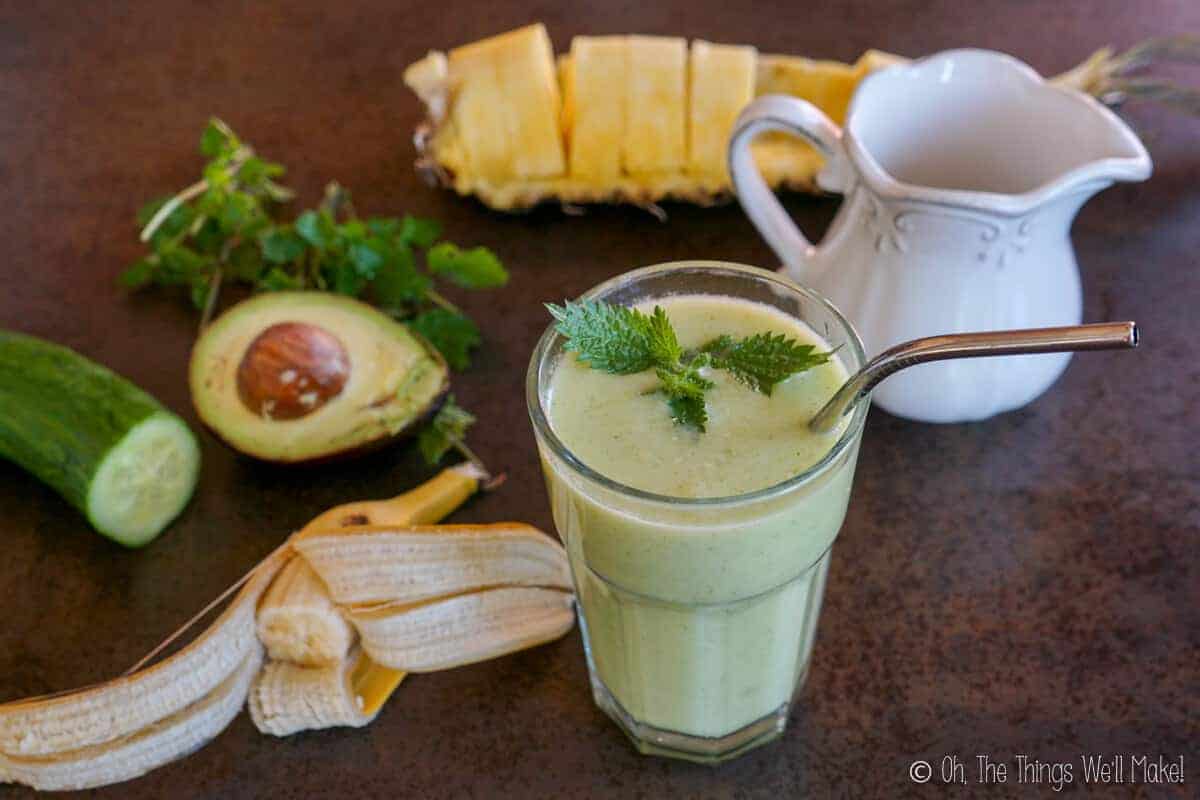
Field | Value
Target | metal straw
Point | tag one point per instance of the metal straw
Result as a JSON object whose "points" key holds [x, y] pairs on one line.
{"points": [[1100, 336]]}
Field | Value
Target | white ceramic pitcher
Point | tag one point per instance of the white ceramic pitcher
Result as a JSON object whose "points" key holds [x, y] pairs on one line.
{"points": [[961, 173]]}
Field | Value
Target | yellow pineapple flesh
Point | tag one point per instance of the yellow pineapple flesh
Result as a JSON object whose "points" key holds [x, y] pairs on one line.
{"points": [[595, 86], [506, 106], [656, 98], [828, 85], [721, 83]]}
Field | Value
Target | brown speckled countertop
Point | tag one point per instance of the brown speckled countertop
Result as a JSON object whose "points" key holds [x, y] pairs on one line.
{"points": [[1023, 585]]}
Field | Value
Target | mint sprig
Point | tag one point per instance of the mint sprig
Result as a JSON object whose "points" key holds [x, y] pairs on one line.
{"points": [[625, 341]]}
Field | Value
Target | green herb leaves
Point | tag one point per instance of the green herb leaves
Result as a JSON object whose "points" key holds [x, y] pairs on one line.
{"points": [[762, 360], [447, 430], [477, 268], [625, 341], [617, 339], [451, 333], [222, 229]]}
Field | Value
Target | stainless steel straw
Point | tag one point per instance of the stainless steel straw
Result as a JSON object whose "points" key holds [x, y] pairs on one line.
{"points": [[1100, 336]]}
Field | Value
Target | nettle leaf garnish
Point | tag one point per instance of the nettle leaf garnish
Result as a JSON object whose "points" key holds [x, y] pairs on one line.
{"points": [[625, 341]]}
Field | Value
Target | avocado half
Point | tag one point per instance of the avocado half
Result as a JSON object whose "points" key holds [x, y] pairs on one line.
{"points": [[296, 377]]}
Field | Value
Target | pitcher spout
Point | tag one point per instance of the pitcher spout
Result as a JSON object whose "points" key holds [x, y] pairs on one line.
{"points": [[975, 128], [1102, 150]]}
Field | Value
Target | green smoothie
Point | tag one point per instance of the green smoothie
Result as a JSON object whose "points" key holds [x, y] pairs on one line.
{"points": [[618, 426], [699, 618]]}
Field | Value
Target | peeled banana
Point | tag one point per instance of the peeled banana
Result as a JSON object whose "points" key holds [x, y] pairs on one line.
{"points": [[311, 681], [421, 597], [298, 621], [634, 119], [288, 698], [464, 620]]}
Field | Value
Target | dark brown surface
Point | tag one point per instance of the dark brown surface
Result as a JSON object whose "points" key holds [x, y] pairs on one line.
{"points": [[1022, 585]]}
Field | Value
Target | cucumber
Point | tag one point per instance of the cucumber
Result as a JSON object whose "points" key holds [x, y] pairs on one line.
{"points": [[110, 449]]}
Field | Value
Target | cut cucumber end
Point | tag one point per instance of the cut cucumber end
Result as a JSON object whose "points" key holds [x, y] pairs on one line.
{"points": [[144, 481]]}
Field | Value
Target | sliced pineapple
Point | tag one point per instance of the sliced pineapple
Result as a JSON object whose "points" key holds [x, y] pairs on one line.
{"points": [[595, 85], [505, 105], [656, 99], [633, 119], [721, 84]]}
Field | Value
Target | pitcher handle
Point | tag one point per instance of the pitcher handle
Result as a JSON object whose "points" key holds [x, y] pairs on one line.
{"points": [[776, 112]]}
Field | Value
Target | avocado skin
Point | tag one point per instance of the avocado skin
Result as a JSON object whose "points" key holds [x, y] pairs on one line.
{"points": [[389, 329]]}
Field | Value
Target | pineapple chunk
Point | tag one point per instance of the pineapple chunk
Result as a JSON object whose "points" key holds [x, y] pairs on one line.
{"points": [[656, 103], [597, 101], [828, 85], [722, 83], [506, 105], [786, 161], [479, 119]]}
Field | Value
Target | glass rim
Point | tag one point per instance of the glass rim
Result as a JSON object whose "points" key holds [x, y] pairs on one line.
{"points": [[551, 336]]}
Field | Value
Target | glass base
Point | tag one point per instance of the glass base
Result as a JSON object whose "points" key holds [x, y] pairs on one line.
{"points": [[653, 741]]}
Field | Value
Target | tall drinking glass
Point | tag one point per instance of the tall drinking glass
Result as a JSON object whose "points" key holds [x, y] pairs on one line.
{"points": [[699, 615]]}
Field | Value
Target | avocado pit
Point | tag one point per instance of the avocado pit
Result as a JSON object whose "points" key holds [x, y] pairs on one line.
{"points": [[292, 369]]}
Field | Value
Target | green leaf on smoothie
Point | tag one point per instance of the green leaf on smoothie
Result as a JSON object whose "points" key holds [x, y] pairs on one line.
{"points": [[762, 360], [610, 338], [625, 341]]}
